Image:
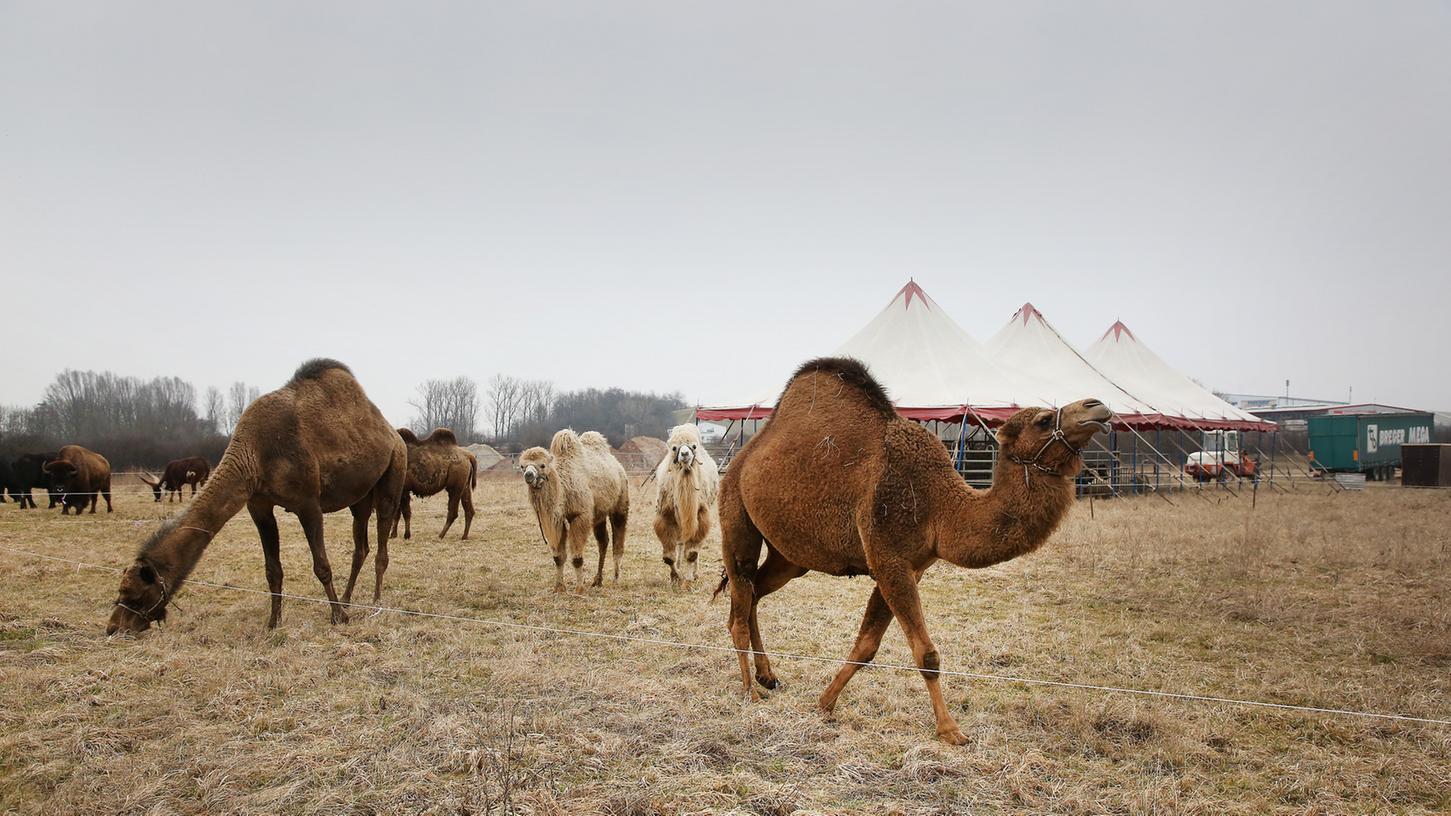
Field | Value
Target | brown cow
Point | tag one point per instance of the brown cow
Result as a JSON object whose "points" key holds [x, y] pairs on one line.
{"points": [[179, 473], [82, 476]]}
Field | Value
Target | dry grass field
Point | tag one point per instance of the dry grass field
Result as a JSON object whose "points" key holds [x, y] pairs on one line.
{"points": [[1316, 599]]}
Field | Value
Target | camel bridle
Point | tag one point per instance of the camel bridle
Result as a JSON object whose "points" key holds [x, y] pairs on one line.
{"points": [[1035, 462], [150, 615]]}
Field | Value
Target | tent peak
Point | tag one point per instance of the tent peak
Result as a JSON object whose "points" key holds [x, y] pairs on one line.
{"points": [[1028, 312], [910, 291], [1118, 330]]}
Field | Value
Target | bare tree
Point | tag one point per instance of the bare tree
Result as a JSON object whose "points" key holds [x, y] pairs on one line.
{"points": [[216, 409], [452, 404], [504, 403]]}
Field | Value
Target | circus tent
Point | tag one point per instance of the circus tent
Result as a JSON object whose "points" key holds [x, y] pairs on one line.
{"points": [[930, 366], [1127, 361], [934, 370], [1031, 347]]}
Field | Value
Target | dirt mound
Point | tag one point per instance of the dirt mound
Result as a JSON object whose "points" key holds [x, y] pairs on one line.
{"points": [[650, 447], [487, 456]]}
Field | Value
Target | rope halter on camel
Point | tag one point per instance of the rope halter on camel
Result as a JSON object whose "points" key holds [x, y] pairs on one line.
{"points": [[1058, 436], [150, 615]]}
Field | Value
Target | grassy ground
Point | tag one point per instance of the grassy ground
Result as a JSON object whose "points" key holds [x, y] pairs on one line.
{"points": [[1317, 599]]}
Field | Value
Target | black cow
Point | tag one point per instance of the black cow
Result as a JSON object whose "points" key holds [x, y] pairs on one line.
{"points": [[7, 482], [27, 473]]}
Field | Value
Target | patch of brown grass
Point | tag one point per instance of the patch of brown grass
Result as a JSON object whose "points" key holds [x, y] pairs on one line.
{"points": [[1317, 599]]}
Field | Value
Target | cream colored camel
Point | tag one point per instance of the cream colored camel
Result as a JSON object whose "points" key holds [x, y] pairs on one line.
{"points": [[686, 483], [575, 487]]}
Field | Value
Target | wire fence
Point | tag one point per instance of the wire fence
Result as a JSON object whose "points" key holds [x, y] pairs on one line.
{"points": [[570, 632]]}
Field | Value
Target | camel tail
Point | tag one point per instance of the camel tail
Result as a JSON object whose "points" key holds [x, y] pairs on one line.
{"points": [[473, 474], [725, 581]]}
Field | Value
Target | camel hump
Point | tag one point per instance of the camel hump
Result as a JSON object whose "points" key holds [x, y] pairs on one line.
{"points": [[852, 372], [442, 436], [314, 369], [564, 443], [596, 440], [408, 436], [685, 435]]}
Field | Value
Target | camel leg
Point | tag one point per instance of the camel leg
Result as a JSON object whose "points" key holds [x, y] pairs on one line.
{"points": [[311, 518], [602, 537], [898, 586], [453, 498], [405, 507], [740, 550], [468, 502], [619, 524], [691, 549], [869, 638], [266, 523], [387, 512], [665, 531], [361, 511], [775, 573], [678, 568], [576, 535]]}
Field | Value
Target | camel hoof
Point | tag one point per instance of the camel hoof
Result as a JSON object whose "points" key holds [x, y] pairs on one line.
{"points": [[407, 536], [751, 695], [769, 683], [952, 736], [686, 586], [339, 617], [559, 589]]}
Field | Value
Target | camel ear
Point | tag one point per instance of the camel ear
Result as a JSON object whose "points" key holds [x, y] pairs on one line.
{"points": [[146, 573], [1007, 433]]}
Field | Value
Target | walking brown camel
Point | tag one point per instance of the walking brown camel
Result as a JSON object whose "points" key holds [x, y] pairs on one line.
{"points": [[313, 446], [838, 483], [437, 463], [82, 476]]}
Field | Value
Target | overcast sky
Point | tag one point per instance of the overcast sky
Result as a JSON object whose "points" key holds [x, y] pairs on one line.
{"points": [[696, 197]]}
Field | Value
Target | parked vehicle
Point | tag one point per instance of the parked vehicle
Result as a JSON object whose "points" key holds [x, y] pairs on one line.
{"points": [[1365, 443], [1219, 457]]}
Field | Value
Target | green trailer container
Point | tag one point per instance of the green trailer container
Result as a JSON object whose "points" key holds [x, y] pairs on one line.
{"points": [[1365, 443]]}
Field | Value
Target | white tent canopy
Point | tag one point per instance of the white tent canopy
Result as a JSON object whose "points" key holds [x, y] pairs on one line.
{"points": [[1029, 345], [1127, 361], [930, 366]]}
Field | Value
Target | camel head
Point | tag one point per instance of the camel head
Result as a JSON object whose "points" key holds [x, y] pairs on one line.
{"points": [[140, 602], [1048, 439], [683, 455], [537, 464], [152, 482]]}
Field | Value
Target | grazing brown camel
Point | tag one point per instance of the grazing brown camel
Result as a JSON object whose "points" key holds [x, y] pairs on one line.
{"points": [[435, 464], [82, 476], [313, 446], [838, 483], [574, 487]]}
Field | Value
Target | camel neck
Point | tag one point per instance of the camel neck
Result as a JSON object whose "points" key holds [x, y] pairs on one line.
{"points": [[180, 543], [1013, 517]]}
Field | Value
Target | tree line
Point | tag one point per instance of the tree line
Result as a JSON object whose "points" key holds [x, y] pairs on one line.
{"points": [[136, 422], [132, 421], [521, 412]]}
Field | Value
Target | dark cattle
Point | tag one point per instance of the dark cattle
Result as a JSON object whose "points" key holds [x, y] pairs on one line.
{"points": [[83, 476], [28, 473], [192, 470], [7, 484]]}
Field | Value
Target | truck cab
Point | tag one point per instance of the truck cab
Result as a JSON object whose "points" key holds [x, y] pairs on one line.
{"points": [[1219, 458]]}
